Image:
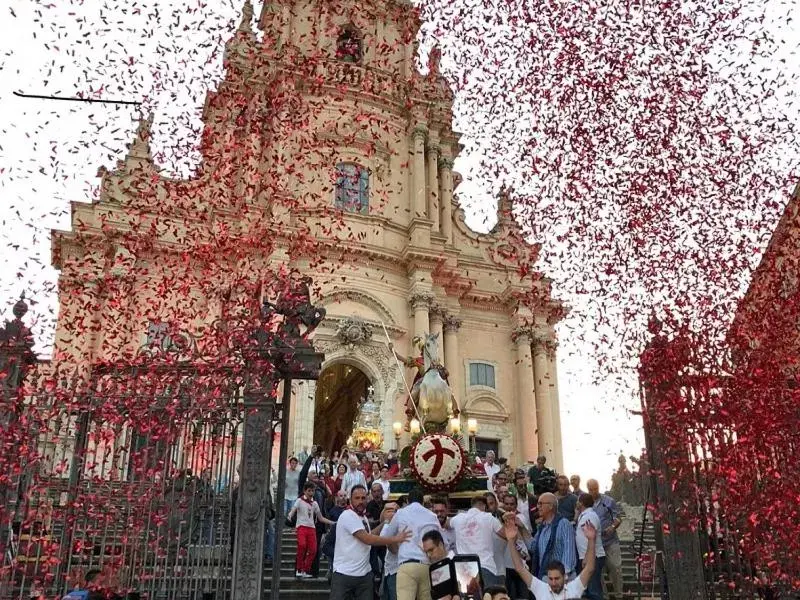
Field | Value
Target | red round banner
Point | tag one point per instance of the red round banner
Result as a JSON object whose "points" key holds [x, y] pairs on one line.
{"points": [[437, 461]]}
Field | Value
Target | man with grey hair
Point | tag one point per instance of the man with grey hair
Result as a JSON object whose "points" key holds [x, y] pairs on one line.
{"points": [[491, 468], [554, 540], [354, 475]]}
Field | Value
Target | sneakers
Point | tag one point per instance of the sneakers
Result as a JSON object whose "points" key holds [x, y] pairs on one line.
{"points": [[301, 575]]}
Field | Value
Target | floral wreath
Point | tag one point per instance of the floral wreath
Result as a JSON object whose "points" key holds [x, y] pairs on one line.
{"points": [[451, 483]]}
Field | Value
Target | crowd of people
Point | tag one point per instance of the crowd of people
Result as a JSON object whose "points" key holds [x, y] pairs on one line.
{"points": [[536, 533]]}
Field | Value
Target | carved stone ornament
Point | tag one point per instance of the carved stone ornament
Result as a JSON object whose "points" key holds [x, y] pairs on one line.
{"points": [[545, 344], [422, 299], [522, 335], [451, 323], [353, 330], [445, 163]]}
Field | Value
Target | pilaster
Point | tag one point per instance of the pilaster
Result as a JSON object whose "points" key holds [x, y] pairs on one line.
{"points": [[528, 431], [445, 164], [452, 357], [420, 225], [432, 158], [544, 400]]}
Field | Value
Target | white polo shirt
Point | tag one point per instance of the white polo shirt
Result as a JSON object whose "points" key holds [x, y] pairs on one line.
{"points": [[588, 515], [351, 555], [418, 520], [475, 533], [541, 590]]}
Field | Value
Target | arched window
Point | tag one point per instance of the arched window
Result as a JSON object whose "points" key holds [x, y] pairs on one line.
{"points": [[348, 45], [481, 374], [352, 188]]}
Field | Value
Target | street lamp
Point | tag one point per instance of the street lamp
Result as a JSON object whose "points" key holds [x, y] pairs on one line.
{"points": [[472, 428], [397, 426], [414, 426], [455, 425]]}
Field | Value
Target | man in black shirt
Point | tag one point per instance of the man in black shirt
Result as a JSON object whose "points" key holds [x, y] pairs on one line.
{"points": [[542, 478], [375, 505], [377, 555]]}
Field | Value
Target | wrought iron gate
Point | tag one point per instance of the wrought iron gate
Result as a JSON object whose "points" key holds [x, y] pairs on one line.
{"points": [[135, 468]]}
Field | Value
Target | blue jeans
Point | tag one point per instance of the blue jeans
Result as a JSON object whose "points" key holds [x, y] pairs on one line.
{"points": [[594, 591], [269, 539], [389, 588], [207, 528], [288, 505]]}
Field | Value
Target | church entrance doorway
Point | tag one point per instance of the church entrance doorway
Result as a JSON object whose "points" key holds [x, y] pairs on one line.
{"points": [[340, 390]]}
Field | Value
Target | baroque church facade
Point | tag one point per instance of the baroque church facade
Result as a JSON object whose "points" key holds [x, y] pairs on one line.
{"points": [[359, 155]]}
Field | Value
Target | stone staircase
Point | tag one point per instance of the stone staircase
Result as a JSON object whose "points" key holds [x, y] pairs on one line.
{"points": [[290, 586], [629, 544]]}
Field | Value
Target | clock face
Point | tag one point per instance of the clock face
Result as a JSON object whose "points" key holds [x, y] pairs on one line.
{"points": [[437, 461]]}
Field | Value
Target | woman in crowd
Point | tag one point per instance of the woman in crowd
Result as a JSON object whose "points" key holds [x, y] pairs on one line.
{"points": [[375, 473], [338, 479]]}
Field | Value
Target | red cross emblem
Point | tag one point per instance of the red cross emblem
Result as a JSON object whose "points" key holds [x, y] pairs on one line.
{"points": [[438, 453]]}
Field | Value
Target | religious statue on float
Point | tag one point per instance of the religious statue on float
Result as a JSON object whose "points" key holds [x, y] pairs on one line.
{"points": [[367, 434], [431, 400]]}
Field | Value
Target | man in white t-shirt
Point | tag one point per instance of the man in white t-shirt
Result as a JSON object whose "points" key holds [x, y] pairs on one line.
{"points": [[413, 577], [352, 573], [491, 468], [556, 587], [475, 533], [586, 513], [384, 481]]}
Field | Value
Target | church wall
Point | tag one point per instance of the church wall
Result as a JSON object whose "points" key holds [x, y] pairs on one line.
{"points": [[392, 264], [489, 341]]}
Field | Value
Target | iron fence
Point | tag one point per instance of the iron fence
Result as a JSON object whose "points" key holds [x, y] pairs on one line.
{"points": [[135, 476], [146, 469]]}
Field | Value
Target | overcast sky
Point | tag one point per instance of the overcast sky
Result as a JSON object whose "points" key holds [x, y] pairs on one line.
{"points": [[50, 153]]}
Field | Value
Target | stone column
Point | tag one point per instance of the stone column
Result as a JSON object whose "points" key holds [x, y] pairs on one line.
{"points": [[452, 359], [544, 408], [303, 424], [418, 200], [446, 197], [554, 401], [437, 326], [433, 185], [420, 304], [527, 428]]}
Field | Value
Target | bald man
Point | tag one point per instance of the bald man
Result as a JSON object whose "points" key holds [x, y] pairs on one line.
{"points": [[554, 540]]}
